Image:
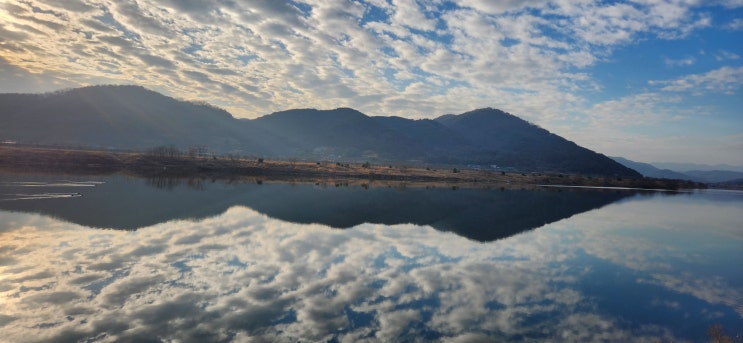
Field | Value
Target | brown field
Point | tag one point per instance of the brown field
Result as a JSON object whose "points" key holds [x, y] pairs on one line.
{"points": [[18, 159]]}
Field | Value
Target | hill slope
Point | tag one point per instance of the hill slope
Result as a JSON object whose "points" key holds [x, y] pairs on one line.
{"points": [[508, 141], [128, 117], [131, 117]]}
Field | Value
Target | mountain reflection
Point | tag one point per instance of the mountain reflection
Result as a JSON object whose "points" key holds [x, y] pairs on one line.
{"points": [[625, 273], [480, 214]]}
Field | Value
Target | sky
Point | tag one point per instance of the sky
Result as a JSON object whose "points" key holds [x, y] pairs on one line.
{"points": [[649, 80]]}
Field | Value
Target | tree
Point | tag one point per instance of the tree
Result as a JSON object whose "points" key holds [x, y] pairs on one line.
{"points": [[164, 152]]}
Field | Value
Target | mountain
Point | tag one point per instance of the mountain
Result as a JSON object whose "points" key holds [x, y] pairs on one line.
{"points": [[715, 176], [649, 170], [434, 138], [482, 137], [128, 117], [506, 140], [132, 117], [338, 133], [683, 167], [705, 175]]}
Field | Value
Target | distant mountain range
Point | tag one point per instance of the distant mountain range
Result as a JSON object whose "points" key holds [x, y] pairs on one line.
{"points": [[132, 117], [715, 176], [696, 166], [707, 175], [649, 170]]}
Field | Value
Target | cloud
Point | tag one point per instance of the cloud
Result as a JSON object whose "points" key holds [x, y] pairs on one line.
{"points": [[364, 54], [408, 13], [499, 7], [736, 24], [679, 63], [724, 55], [635, 110], [730, 3], [727, 80], [70, 5]]}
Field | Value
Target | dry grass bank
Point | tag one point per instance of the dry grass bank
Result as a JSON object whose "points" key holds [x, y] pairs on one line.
{"points": [[74, 161]]}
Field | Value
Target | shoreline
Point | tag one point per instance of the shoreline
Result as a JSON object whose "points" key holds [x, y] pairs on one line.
{"points": [[22, 159]]}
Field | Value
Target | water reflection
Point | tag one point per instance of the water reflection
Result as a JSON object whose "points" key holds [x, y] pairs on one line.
{"points": [[483, 215], [209, 268], [627, 272]]}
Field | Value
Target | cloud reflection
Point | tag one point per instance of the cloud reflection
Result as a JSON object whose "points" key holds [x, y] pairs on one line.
{"points": [[243, 276]]}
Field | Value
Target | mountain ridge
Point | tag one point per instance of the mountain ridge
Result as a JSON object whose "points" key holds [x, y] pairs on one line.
{"points": [[649, 170], [132, 117], [704, 176]]}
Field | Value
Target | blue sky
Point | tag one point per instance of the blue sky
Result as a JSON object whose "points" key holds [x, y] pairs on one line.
{"points": [[650, 80]]}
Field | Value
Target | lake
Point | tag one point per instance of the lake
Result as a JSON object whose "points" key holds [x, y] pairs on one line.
{"points": [[116, 258]]}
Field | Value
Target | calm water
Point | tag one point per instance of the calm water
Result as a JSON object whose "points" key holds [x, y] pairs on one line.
{"points": [[122, 259]]}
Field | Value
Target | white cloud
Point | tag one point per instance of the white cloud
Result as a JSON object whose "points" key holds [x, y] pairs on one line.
{"points": [[724, 55], [499, 7], [730, 3], [735, 24], [408, 13], [281, 54], [636, 110], [652, 126], [726, 80], [679, 63]]}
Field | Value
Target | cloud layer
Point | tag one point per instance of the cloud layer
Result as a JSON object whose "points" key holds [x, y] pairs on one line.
{"points": [[242, 276], [383, 57]]}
